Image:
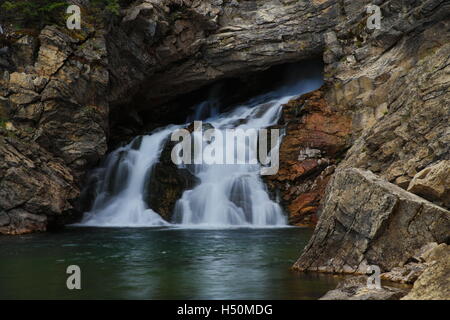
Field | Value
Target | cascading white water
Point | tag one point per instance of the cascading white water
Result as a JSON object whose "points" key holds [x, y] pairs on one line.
{"points": [[227, 195], [120, 199], [232, 194]]}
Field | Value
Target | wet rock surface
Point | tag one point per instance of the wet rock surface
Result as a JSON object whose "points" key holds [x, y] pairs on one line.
{"points": [[429, 264], [166, 183], [316, 137], [385, 97]]}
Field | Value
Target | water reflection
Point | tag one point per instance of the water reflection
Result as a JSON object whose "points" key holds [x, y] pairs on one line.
{"points": [[159, 264]]}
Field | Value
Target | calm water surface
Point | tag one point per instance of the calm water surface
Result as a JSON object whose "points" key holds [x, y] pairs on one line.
{"points": [[163, 263]]}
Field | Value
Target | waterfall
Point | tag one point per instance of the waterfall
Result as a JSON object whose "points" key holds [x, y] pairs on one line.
{"points": [[120, 192], [232, 194], [227, 195]]}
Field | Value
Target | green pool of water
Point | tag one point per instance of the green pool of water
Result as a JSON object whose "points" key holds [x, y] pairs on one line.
{"points": [[163, 263]]}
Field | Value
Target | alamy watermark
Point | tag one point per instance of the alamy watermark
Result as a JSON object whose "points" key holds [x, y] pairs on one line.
{"points": [[374, 20], [74, 20], [74, 280], [228, 146], [374, 279]]}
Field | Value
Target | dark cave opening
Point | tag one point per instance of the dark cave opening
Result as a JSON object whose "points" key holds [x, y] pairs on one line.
{"points": [[141, 116]]}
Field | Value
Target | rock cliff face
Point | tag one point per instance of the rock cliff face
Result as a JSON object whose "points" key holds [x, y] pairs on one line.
{"points": [[394, 85], [59, 89], [316, 138], [32, 182], [385, 100], [383, 109], [391, 86], [53, 109], [175, 46]]}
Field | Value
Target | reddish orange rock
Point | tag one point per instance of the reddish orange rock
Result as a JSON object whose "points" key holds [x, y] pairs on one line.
{"points": [[316, 139]]}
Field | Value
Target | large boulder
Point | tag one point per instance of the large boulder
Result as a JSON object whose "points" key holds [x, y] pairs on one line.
{"points": [[366, 220]]}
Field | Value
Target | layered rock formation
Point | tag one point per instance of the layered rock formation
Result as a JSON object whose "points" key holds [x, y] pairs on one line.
{"points": [[386, 97], [368, 221], [394, 83], [54, 113], [58, 87], [32, 182], [316, 139], [175, 46]]}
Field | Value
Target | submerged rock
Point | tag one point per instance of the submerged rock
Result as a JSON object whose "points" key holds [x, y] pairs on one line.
{"points": [[366, 220]]}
